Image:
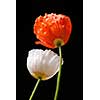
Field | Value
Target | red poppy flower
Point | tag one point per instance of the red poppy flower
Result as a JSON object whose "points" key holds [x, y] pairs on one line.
{"points": [[52, 30]]}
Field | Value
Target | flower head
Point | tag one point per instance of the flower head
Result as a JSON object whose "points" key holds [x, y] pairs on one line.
{"points": [[43, 64], [52, 30]]}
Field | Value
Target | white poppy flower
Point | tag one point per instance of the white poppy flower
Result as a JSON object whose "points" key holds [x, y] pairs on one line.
{"points": [[43, 64]]}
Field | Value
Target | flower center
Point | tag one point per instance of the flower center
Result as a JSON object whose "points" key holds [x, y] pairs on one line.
{"points": [[39, 75], [58, 42]]}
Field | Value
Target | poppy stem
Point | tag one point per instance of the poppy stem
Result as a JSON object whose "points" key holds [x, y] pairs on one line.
{"points": [[36, 85], [59, 75]]}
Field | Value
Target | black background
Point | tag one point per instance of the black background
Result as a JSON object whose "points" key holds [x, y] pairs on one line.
{"points": [[71, 86]]}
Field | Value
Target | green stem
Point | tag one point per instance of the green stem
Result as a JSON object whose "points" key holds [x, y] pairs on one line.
{"points": [[59, 75], [36, 85]]}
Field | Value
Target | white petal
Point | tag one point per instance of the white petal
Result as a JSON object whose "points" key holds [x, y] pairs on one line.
{"points": [[43, 62]]}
